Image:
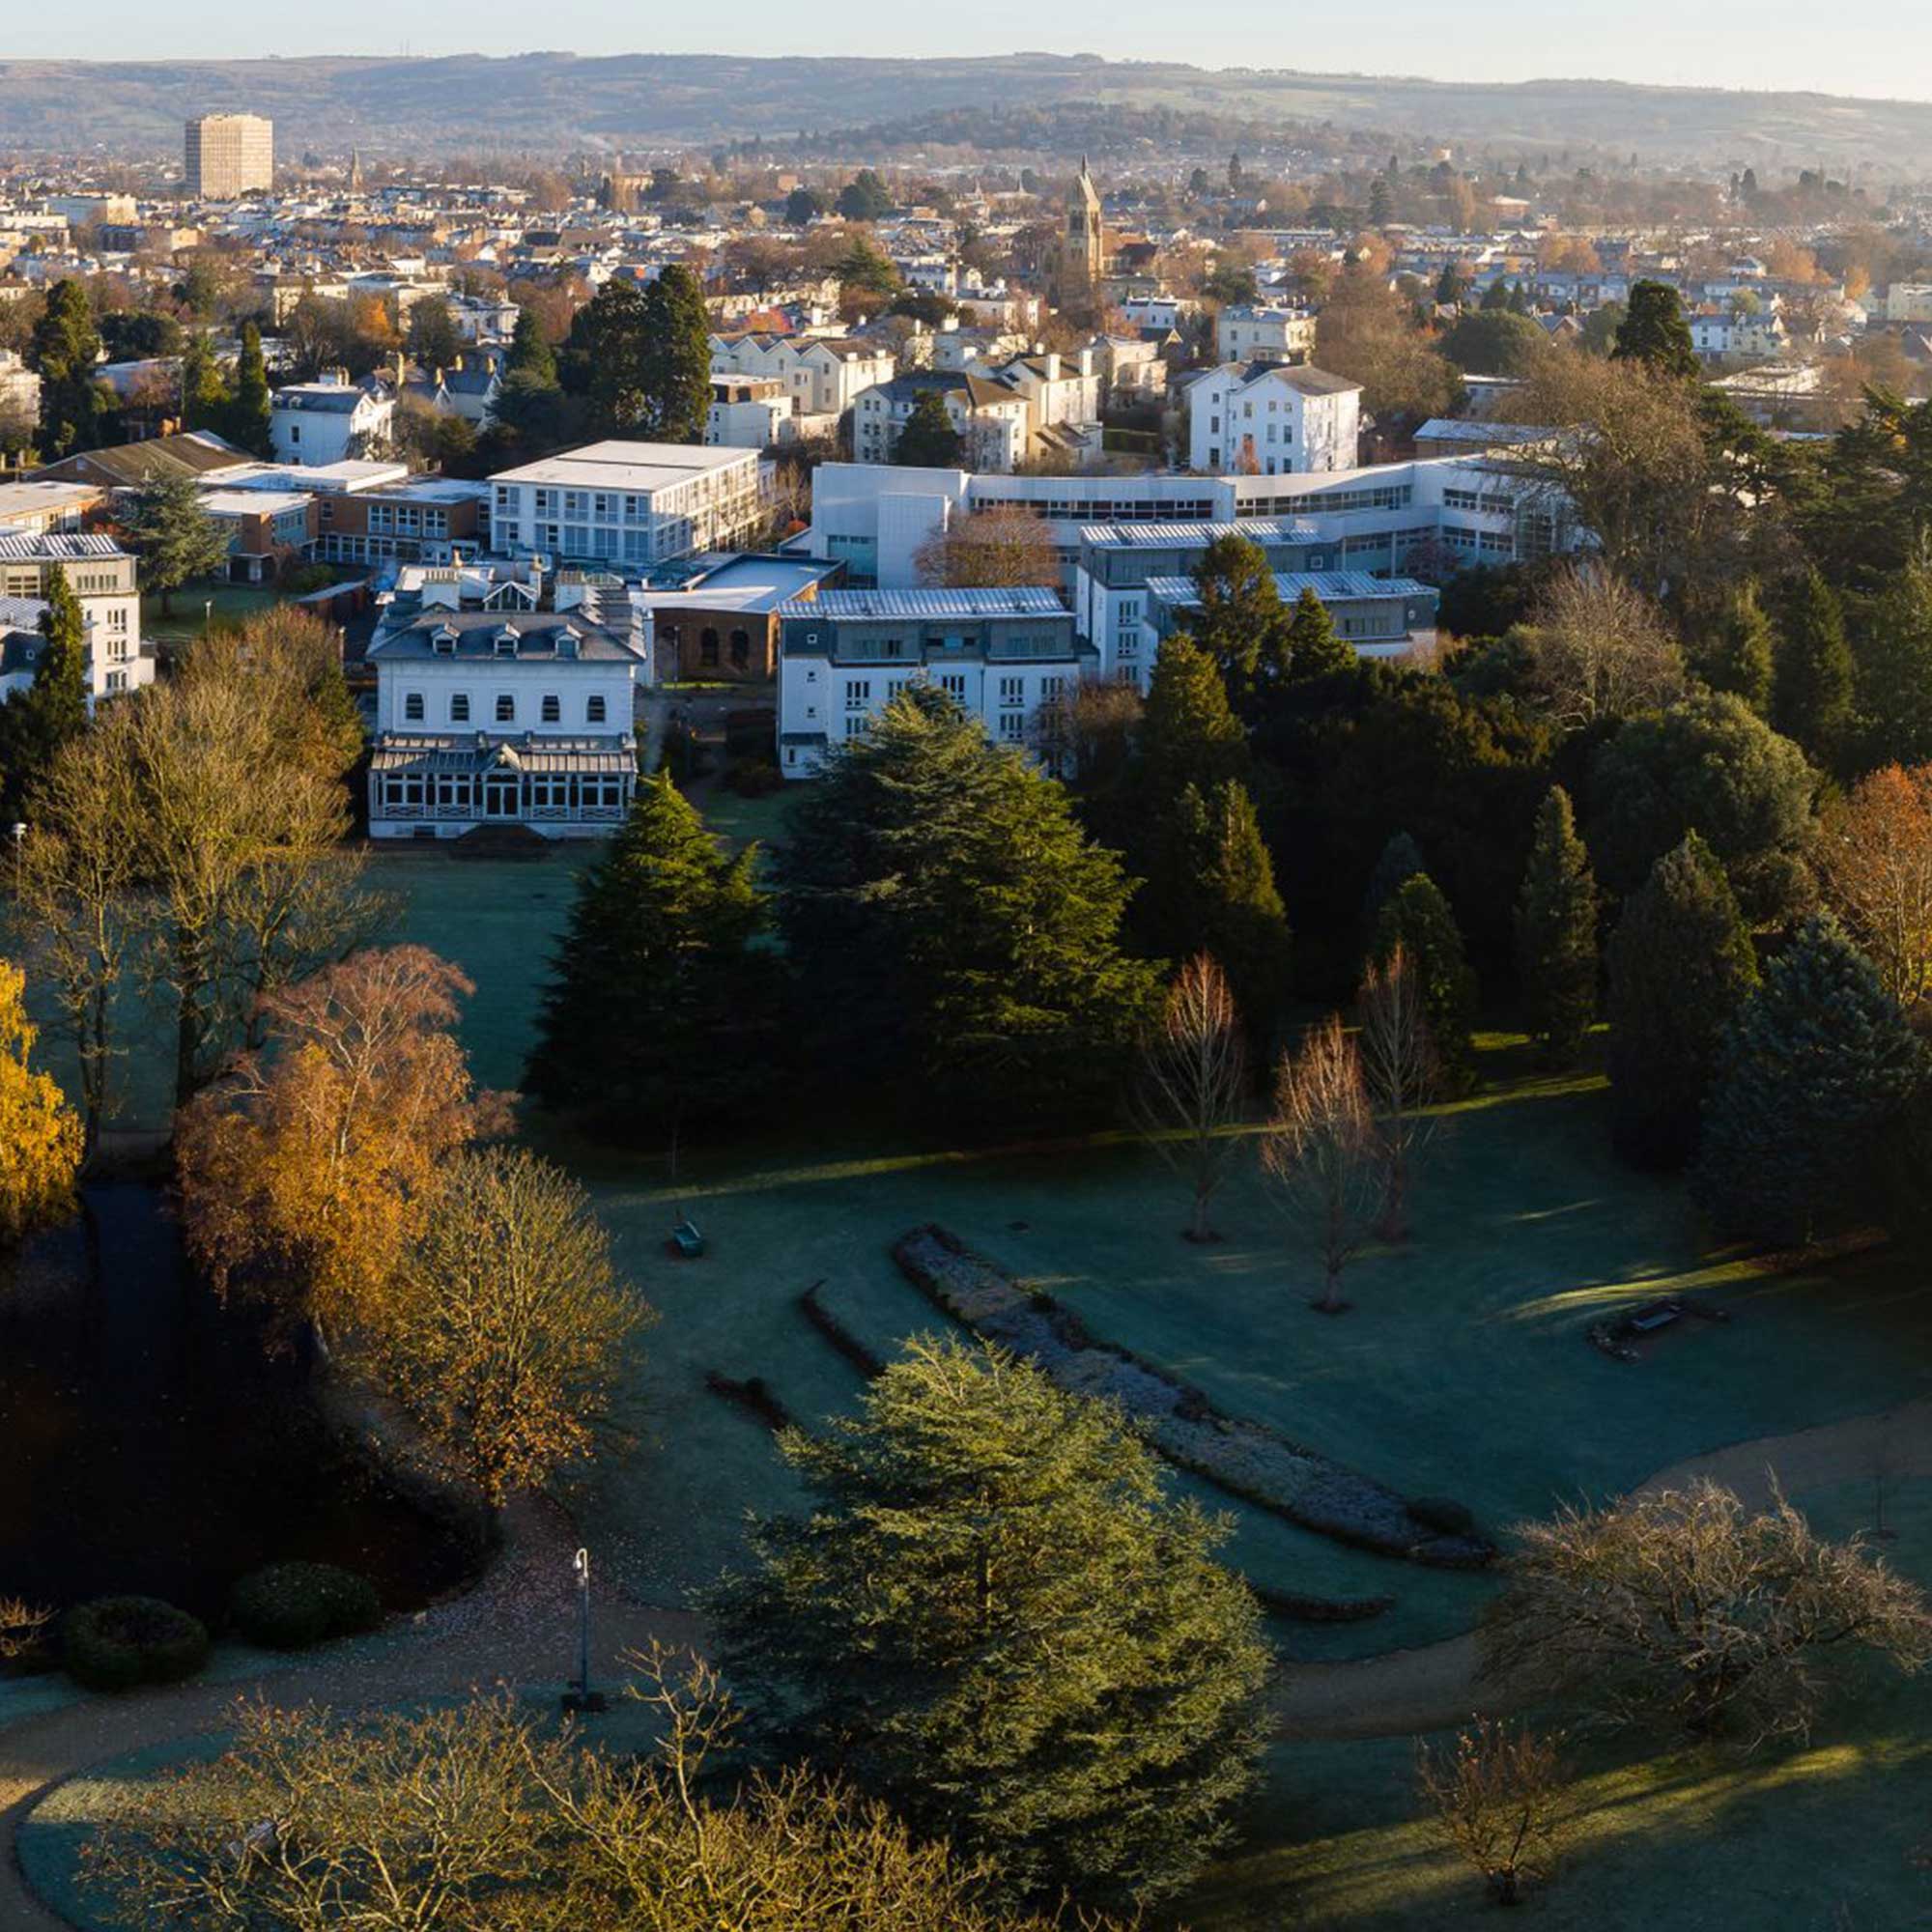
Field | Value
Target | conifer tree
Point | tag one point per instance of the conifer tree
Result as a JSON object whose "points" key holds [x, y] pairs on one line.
{"points": [[1557, 932], [1654, 331], [928, 440], [1813, 1066], [1416, 917], [677, 356], [205, 402], [175, 538], [1811, 692], [1400, 861], [249, 410], [36, 722], [1189, 733], [1893, 688], [1680, 963], [1314, 649], [1737, 655], [661, 1010], [530, 354], [948, 918], [62, 352], [997, 1620], [1239, 621], [1213, 890]]}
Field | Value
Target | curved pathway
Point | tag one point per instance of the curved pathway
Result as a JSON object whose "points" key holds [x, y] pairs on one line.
{"points": [[1424, 1689], [518, 1627]]}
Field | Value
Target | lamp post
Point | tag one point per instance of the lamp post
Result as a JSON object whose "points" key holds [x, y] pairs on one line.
{"points": [[580, 1697]]}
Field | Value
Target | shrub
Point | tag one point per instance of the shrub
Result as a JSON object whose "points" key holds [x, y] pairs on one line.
{"points": [[754, 778], [1444, 1515], [115, 1643], [291, 1606]]}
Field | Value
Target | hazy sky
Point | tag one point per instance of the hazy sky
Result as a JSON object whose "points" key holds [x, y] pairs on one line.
{"points": [[1854, 46]]}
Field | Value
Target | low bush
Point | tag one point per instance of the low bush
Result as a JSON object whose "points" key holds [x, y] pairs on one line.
{"points": [[754, 778], [1445, 1516], [291, 1606], [118, 1643]]}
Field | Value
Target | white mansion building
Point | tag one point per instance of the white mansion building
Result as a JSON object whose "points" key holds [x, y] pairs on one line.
{"points": [[503, 699]]}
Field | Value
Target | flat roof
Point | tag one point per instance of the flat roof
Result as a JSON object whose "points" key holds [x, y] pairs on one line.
{"points": [[834, 605], [627, 466], [1170, 537], [1332, 586], [37, 499], [253, 503]]}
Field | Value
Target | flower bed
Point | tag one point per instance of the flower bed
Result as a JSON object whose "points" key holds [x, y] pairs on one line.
{"points": [[1246, 1458]]}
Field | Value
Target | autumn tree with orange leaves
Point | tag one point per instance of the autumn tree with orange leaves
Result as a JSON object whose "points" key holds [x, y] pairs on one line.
{"points": [[39, 1134], [306, 1172], [1874, 860]]}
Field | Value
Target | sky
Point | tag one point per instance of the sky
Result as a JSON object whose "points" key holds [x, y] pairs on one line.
{"points": [[1873, 48]]}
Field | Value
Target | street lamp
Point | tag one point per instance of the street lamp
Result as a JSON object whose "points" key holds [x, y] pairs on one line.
{"points": [[580, 1697]]}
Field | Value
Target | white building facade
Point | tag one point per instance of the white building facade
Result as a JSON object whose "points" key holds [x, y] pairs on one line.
{"points": [[331, 422], [104, 579], [1268, 419], [1004, 656]]}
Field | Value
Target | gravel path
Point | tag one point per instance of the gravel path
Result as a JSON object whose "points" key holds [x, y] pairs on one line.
{"points": [[518, 1627], [1407, 1691]]}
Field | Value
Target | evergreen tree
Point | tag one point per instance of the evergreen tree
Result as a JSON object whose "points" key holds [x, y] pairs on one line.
{"points": [[1450, 286], [947, 919], [63, 351], [677, 357], [248, 413], [1738, 654], [1188, 732], [996, 1620], [927, 439], [175, 538], [36, 722], [204, 393], [1811, 692], [1417, 918], [1381, 205], [1239, 621], [662, 1008], [606, 356], [1680, 963], [1893, 686], [1314, 649], [530, 354], [1655, 332], [1557, 933], [1400, 861], [1812, 1069], [1210, 889], [432, 337]]}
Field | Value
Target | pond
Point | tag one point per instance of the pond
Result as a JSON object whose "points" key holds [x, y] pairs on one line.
{"points": [[150, 1443]]}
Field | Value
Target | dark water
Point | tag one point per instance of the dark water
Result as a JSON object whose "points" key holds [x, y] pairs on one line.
{"points": [[150, 1443]]}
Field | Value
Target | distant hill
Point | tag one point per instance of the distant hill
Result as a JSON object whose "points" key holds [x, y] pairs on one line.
{"points": [[554, 103]]}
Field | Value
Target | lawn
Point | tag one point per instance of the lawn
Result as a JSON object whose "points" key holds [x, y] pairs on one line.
{"points": [[224, 606], [1462, 1370]]}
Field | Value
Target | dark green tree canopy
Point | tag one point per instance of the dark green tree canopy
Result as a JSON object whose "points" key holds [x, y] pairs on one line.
{"points": [[63, 351], [928, 440], [996, 1619], [1654, 331], [1416, 917], [1680, 964], [1557, 933], [1813, 1068]]}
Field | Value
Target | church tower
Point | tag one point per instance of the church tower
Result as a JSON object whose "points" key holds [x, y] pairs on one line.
{"points": [[1082, 253]]}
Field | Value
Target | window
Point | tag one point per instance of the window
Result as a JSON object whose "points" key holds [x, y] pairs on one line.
{"points": [[1013, 726], [858, 695], [954, 683], [855, 725], [459, 707], [593, 709], [294, 431], [412, 707], [741, 651], [1012, 690], [506, 709], [553, 708], [707, 646]]}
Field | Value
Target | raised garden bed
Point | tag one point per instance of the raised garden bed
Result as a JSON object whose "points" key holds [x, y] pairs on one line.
{"points": [[1246, 1458]]}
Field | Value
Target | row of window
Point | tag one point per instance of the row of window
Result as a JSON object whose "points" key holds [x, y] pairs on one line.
{"points": [[550, 708], [460, 794]]}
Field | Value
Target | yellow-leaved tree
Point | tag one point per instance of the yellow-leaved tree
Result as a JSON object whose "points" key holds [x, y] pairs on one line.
{"points": [[39, 1134]]}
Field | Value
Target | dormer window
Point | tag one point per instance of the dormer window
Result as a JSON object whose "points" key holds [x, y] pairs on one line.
{"points": [[443, 642], [506, 641], [567, 641]]}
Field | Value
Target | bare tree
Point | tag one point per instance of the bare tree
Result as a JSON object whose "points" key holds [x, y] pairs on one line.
{"points": [[1091, 730], [1499, 1797], [1322, 1151], [23, 1628], [76, 884], [1399, 1065], [1193, 1086], [1004, 547], [1686, 1605], [1598, 649]]}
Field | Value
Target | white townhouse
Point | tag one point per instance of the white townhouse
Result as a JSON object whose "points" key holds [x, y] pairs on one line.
{"points": [[1269, 419], [329, 421], [505, 701], [1000, 655], [823, 375], [103, 577], [1251, 333], [627, 505], [994, 423]]}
